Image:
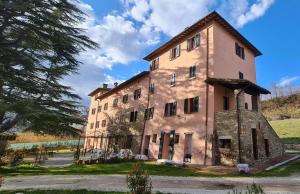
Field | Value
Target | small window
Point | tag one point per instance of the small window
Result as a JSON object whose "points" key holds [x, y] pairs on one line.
{"points": [[239, 51], [246, 106], [191, 105], [154, 64], [103, 123], [241, 75], [133, 116], [93, 111], [99, 108], [92, 126], [151, 88], [173, 79], [225, 143], [267, 147], [154, 138], [175, 52], [193, 42], [97, 124], [115, 102], [192, 71], [125, 98], [137, 94], [225, 103], [170, 109], [176, 140], [149, 113], [105, 106]]}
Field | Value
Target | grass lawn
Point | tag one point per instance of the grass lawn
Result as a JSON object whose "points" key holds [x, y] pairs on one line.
{"points": [[58, 192], [152, 168], [288, 130]]}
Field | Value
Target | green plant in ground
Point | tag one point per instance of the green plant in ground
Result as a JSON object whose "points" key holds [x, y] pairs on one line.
{"points": [[1, 181], [252, 189], [138, 180]]}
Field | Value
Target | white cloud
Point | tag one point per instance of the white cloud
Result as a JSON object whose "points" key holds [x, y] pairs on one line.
{"points": [[286, 81], [256, 10]]}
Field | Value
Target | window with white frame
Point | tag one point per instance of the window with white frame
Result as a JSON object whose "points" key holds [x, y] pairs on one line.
{"points": [[175, 52], [193, 42], [154, 64], [173, 79]]}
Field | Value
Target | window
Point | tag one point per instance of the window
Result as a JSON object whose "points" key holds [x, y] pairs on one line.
{"points": [[137, 94], [267, 147], [151, 88], [154, 64], [191, 105], [93, 111], [239, 51], [92, 126], [246, 106], [170, 109], [193, 42], [97, 124], [225, 103], [175, 52], [173, 79], [103, 123], [125, 98], [154, 138], [176, 140], [115, 102], [99, 108], [133, 116], [192, 71], [241, 75], [105, 106], [225, 143], [149, 113], [128, 141]]}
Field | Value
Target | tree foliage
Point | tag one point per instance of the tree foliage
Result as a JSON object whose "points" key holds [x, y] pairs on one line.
{"points": [[39, 41]]}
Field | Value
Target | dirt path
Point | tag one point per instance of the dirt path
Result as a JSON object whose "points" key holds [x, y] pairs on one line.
{"points": [[191, 185]]}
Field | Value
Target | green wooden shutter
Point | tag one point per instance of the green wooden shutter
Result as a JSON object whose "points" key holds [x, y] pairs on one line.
{"points": [[171, 145], [196, 104], [161, 144], [186, 105]]}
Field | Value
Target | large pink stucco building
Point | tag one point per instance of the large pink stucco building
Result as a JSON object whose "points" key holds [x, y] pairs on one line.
{"points": [[200, 99]]}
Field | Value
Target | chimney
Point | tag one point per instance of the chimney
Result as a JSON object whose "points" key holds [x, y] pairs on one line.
{"points": [[116, 84], [104, 86]]}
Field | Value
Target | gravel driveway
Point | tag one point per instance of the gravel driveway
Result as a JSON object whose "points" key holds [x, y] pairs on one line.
{"points": [[190, 185]]}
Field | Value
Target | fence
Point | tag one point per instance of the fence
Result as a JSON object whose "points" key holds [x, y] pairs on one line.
{"points": [[49, 144]]}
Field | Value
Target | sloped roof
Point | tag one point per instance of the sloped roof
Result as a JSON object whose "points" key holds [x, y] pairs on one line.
{"points": [[248, 86], [122, 85], [213, 16]]}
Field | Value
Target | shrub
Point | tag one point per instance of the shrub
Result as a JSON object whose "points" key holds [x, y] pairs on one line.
{"points": [[253, 189], [138, 180], [16, 157]]}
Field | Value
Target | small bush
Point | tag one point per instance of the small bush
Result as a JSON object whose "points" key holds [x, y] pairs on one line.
{"points": [[253, 189], [17, 157], [138, 180], [1, 181]]}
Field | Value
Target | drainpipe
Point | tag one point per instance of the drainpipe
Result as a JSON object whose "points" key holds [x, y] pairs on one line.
{"points": [[238, 112], [207, 91], [148, 103], [96, 124]]}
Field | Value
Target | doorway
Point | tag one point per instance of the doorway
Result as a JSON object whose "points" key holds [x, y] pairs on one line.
{"points": [[146, 145], [188, 148], [254, 144]]}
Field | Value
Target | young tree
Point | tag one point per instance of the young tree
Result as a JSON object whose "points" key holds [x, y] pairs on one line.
{"points": [[39, 41]]}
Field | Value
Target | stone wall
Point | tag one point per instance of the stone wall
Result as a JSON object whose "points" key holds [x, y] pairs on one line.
{"points": [[226, 127]]}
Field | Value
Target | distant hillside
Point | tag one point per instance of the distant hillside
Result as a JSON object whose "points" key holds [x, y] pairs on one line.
{"points": [[280, 108]]}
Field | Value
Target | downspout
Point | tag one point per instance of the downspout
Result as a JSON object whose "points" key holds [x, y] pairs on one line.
{"points": [[96, 124], [207, 91], [148, 103], [238, 112]]}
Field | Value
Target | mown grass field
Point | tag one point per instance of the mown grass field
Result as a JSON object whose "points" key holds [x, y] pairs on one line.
{"points": [[58, 192], [151, 167], [288, 130]]}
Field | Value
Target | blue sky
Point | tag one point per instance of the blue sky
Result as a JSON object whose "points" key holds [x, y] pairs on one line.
{"points": [[129, 29]]}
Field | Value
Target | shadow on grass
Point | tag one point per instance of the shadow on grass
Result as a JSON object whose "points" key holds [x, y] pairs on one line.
{"points": [[291, 140]]}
